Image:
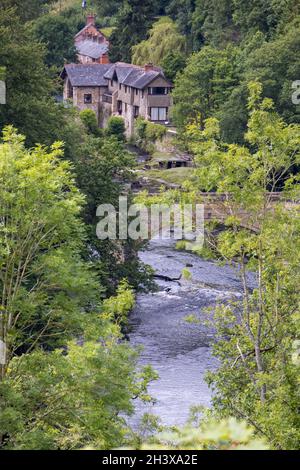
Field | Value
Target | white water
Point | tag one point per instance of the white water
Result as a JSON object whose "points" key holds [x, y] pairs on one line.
{"points": [[180, 352]]}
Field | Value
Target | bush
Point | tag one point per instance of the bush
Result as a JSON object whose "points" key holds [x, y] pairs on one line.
{"points": [[116, 127], [89, 119], [147, 133]]}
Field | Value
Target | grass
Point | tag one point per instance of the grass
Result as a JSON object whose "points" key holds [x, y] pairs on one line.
{"points": [[173, 176]]}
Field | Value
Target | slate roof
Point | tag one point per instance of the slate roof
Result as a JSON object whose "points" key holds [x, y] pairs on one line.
{"points": [[98, 74], [133, 75], [92, 49], [86, 75]]}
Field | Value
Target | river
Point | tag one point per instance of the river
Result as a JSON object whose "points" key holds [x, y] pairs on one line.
{"points": [[179, 351]]}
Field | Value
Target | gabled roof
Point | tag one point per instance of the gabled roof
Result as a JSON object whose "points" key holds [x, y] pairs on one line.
{"points": [[133, 75], [86, 75], [89, 25], [98, 74], [92, 49]]}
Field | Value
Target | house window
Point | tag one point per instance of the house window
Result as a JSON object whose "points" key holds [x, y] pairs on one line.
{"points": [[120, 86], [136, 91], [159, 114], [70, 90], [125, 89], [119, 105], [142, 93], [112, 83], [125, 107], [88, 98], [136, 111], [158, 91]]}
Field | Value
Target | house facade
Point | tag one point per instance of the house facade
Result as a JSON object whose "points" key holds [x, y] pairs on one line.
{"points": [[90, 43], [119, 89]]}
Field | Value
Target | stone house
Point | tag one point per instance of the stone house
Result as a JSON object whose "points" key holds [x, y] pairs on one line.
{"points": [[90, 43], [119, 89]]}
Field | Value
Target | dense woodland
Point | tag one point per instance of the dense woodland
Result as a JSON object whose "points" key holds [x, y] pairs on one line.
{"points": [[69, 378]]}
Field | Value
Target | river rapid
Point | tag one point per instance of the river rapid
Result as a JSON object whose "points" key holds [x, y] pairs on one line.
{"points": [[179, 351]]}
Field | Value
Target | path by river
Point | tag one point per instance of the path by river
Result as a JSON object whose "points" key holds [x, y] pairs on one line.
{"points": [[179, 351]]}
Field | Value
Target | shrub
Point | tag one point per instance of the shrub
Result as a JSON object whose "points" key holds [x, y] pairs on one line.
{"points": [[116, 127], [147, 133], [89, 119]]}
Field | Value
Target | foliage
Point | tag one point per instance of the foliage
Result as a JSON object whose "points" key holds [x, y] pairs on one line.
{"points": [[102, 167], [44, 283], [257, 379], [67, 378], [186, 274], [57, 33], [118, 307], [89, 119], [203, 85], [147, 133], [34, 8], [164, 38], [60, 400], [182, 11], [29, 84], [172, 64], [212, 435], [116, 127], [132, 23]]}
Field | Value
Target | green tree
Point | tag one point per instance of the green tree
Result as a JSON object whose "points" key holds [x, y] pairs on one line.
{"points": [[172, 64], [264, 16], [182, 12], [44, 283], [257, 379], [116, 128], [203, 85], [34, 8], [89, 119], [164, 39], [57, 33], [133, 21], [212, 23], [29, 84], [66, 379]]}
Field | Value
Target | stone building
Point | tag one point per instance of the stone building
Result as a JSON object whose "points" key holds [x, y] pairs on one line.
{"points": [[119, 89], [90, 43]]}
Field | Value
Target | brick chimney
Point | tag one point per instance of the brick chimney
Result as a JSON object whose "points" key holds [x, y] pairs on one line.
{"points": [[104, 59], [148, 67], [91, 19]]}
